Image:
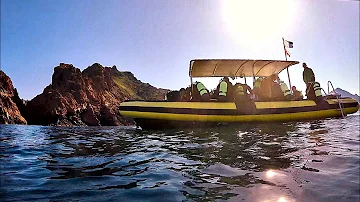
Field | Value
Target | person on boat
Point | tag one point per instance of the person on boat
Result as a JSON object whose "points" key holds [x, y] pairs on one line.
{"points": [[284, 89], [181, 95], [276, 92], [185, 94], [308, 77], [310, 91], [269, 88], [223, 91], [315, 94], [242, 92], [257, 88], [297, 95], [319, 99], [317, 91], [242, 98], [200, 92], [172, 96]]}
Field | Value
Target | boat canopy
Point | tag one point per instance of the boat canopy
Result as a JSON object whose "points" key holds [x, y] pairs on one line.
{"points": [[237, 68]]}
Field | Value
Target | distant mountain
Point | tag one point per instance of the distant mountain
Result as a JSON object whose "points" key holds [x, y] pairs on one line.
{"points": [[344, 93]]}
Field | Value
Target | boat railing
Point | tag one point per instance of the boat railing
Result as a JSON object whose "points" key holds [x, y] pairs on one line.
{"points": [[337, 97], [325, 93]]}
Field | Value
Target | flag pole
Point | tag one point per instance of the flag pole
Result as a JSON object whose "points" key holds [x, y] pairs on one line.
{"points": [[284, 48], [287, 68]]}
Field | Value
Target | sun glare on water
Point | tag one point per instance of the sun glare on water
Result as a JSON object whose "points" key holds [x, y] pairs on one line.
{"points": [[258, 20], [270, 174]]}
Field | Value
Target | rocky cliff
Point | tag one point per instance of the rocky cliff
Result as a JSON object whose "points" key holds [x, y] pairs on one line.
{"points": [[9, 102], [90, 97]]}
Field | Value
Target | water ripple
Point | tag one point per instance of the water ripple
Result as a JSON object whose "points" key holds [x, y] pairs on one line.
{"points": [[298, 161]]}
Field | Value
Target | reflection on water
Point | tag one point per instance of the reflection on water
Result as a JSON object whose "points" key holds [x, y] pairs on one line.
{"points": [[298, 161]]}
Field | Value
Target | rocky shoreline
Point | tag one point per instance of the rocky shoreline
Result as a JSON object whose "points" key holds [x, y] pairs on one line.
{"points": [[76, 98]]}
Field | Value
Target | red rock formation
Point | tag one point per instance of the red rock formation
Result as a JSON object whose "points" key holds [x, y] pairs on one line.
{"points": [[90, 97], [9, 98]]}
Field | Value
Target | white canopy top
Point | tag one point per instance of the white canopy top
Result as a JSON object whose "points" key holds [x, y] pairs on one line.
{"points": [[237, 68]]}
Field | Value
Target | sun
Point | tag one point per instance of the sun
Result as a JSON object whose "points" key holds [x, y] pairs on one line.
{"points": [[258, 20]]}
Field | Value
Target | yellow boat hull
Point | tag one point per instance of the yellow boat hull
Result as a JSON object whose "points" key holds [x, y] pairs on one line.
{"points": [[227, 112]]}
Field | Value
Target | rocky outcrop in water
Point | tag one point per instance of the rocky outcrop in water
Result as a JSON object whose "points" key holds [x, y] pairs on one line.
{"points": [[10, 103], [90, 97]]}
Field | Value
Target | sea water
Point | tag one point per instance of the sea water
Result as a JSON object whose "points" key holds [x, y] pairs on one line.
{"points": [[282, 162]]}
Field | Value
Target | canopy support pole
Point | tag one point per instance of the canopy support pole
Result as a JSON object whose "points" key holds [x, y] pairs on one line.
{"points": [[287, 68], [191, 81], [252, 69], [191, 84]]}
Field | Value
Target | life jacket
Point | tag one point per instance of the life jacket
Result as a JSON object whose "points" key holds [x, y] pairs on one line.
{"points": [[284, 88], [257, 83], [239, 90], [201, 88], [317, 89], [223, 88]]}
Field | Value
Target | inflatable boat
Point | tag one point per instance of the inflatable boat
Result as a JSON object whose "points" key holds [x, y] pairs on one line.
{"points": [[166, 114]]}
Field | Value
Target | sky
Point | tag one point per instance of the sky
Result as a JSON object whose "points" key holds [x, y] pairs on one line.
{"points": [[156, 39]]}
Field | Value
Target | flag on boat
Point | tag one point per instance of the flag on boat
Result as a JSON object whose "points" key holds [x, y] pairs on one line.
{"points": [[287, 52], [288, 44]]}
